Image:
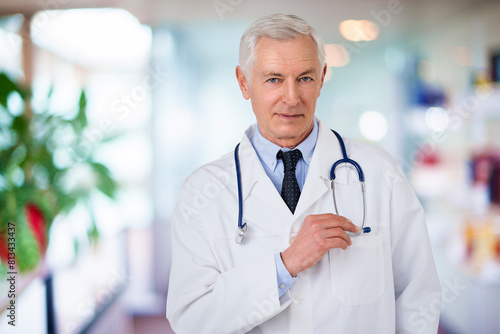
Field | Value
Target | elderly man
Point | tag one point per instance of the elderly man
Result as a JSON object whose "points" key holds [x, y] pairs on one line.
{"points": [[296, 265]]}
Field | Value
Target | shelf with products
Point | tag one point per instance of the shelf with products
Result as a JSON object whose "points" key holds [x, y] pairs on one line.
{"points": [[457, 177]]}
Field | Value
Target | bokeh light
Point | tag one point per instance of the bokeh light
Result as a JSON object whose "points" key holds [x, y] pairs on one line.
{"points": [[373, 125]]}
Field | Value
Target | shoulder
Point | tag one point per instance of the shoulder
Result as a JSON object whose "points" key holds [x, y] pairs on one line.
{"points": [[369, 151], [200, 189], [377, 163], [218, 172], [358, 150], [374, 160]]}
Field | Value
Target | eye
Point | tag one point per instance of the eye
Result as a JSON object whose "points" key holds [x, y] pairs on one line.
{"points": [[273, 80], [306, 79]]}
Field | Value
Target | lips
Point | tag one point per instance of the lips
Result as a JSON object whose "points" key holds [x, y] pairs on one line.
{"points": [[289, 116]]}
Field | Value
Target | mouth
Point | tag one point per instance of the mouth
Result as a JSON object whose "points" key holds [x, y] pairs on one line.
{"points": [[288, 116]]}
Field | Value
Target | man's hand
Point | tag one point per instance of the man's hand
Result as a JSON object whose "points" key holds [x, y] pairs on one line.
{"points": [[318, 234]]}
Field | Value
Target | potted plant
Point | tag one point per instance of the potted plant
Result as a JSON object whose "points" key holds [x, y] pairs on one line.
{"points": [[43, 172]]}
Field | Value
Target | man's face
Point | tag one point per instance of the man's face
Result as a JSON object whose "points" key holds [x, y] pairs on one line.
{"points": [[286, 82]]}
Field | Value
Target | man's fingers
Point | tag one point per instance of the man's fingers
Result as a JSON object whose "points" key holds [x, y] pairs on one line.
{"points": [[337, 233], [329, 220], [347, 225]]}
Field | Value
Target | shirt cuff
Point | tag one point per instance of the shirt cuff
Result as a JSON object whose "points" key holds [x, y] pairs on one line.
{"points": [[285, 280]]}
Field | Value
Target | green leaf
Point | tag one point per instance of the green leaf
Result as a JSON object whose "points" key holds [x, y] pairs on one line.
{"points": [[51, 91], [27, 253], [105, 182], [6, 87], [93, 231], [3, 270], [20, 125], [5, 157], [112, 137], [46, 201], [65, 202], [80, 121], [76, 246]]}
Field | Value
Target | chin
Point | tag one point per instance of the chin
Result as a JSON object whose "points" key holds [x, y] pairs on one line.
{"points": [[284, 135], [292, 129]]}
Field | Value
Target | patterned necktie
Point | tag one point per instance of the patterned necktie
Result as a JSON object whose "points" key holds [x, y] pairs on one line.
{"points": [[290, 191]]}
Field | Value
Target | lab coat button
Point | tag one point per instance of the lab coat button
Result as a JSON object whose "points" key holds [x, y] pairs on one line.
{"points": [[296, 299]]}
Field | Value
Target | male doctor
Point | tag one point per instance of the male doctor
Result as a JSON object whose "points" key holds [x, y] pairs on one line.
{"points": [[301, 268]]}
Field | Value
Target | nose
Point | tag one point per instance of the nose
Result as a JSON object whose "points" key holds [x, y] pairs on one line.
{"points": [[291, 93]]}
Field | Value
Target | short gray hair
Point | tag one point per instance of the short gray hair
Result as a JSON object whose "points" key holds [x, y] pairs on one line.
{"points": [[276, 26]]}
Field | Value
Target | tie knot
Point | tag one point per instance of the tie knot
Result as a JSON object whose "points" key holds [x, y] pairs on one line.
{"points": [[290, 159]]}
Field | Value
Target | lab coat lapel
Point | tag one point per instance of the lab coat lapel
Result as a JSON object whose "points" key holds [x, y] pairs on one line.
{"points": [[326, 152], [255, 181]]}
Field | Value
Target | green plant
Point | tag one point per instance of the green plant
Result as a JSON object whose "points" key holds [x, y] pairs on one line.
{"points": [[44, 170]]}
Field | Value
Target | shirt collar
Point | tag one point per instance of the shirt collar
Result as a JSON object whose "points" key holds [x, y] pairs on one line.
{"points": [[267, 150]]}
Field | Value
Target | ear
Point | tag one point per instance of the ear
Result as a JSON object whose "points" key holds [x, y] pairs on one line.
{"points": [[242, 81], [323, 74]]}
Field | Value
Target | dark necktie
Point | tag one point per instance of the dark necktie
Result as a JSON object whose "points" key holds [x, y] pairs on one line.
{"points": [[290, 191]]}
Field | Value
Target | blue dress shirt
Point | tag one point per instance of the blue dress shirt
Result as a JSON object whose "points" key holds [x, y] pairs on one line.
{"points": [[266, 151]]}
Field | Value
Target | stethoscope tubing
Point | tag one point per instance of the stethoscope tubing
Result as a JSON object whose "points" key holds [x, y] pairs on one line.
{"points": [[243, 227], [361, 177]]}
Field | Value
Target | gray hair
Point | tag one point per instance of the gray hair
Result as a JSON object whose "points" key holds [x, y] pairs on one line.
{"points": [[276, 26]]}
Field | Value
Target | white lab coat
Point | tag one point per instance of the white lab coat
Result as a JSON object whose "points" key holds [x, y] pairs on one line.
{"points": [[385, 282]]}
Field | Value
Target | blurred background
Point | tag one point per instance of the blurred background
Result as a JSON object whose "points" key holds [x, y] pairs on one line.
{"points": [[107, 106]]}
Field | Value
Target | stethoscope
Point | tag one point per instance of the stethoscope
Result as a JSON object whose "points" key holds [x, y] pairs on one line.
{"points": [[243, 227]]}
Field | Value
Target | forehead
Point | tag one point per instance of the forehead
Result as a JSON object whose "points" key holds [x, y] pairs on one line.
{"points": [[271, 53]]}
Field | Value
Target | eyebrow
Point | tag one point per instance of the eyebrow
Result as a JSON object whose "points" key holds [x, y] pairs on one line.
{"points": [[275, 74]]}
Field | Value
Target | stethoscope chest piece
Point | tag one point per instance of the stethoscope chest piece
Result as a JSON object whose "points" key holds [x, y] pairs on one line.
{"points": [[241, 233]]}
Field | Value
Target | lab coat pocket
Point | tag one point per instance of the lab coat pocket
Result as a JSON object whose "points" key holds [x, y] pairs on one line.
{"points": [[357, 273]]}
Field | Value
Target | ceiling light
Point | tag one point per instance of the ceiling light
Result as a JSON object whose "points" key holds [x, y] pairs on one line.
{"points": [[358, 30], [104, 37]]}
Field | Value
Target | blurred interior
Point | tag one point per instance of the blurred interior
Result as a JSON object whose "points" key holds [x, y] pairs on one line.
{"points": [[418, 78]]}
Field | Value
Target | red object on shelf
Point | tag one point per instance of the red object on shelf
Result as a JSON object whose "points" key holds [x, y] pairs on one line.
{"points": [[486, 170], [36, 222], [497, 248], [426, 156], [4, 251], [3, 247]]}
